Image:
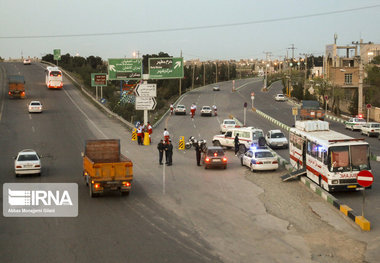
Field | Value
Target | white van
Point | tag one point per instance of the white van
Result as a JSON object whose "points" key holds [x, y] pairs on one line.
{"points": [[247, 136]]}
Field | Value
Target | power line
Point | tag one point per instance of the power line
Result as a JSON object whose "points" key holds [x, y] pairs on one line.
{"points": [[197, 27]]}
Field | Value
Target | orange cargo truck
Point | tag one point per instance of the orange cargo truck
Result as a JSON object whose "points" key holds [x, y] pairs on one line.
{"points": [[105, 168], [16, 85]]}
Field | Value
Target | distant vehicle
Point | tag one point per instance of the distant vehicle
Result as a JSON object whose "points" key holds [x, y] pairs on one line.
{"points": [[214, 157], [27, 162], [310, 110], [280, 97], [247, 136], [206, 111], [35, 106], [27, 61], [180, 109], [53, 78], [371, 129], [226, 124], [329, 158], [276, 139], [16, 86], [259, 158], [355, 124], [216, 88], [105, 168]]}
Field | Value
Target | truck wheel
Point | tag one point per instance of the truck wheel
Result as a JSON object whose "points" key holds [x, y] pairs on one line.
{"points": [[92, 194], [187, 146], [125, 193]]}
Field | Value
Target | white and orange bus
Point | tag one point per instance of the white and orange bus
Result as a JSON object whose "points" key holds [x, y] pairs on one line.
{"points": [[330, 159], [53, 78]]}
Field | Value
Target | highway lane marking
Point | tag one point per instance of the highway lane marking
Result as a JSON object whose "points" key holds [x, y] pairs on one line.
{"points": [[84, 114], [33, 130], [30, 116], [242, 86], [2, 93]]}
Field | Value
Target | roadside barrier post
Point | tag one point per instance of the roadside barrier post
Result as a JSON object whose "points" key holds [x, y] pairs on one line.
{"points": [[181, 144], [146, 138], [134, 135]]}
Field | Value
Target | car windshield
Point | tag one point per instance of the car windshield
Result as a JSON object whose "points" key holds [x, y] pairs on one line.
{"points": [[263, 154], [180, 106], [277, 135], [229, 122], [280, 95], [27, 157], [359, 120], [257, 134], [339, 158], [218, 152], [206, 108], [375, 125], [35, 104]]}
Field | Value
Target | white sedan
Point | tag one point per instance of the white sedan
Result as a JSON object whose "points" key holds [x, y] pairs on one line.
{"points": [[180, 109], [227, 124], [35, 106], [276, 139], [27, 61], [27, 162], [206, 111], [371, 129], [259, 158], [280, 97]]}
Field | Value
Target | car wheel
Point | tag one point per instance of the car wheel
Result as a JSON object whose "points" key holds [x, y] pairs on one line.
{"points": [[242, 148], [225, 166], [125, 193], [206, 167]]}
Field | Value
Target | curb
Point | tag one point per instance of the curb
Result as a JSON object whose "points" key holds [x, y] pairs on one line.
{"points": [[363, 223], [335, 118]]}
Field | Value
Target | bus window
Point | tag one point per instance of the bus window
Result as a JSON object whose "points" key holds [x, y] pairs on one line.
{"points": [[359, 157], [339, 159]]}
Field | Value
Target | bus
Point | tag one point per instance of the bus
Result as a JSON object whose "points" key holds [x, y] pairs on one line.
{"points": [[53, 78], [329, 158]]}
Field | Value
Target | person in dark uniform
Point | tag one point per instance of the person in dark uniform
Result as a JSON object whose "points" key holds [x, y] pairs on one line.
{"points": [[198, 151], [236, 141], [169, 153], [160, 148]]}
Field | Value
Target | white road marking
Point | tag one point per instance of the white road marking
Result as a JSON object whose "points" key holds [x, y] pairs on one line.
{"points": [[33, 130], [163, 178], [84, 114], [30, 116], [1, 109]]}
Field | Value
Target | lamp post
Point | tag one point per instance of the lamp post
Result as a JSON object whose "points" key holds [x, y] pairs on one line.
{"points": [[216, 73]]}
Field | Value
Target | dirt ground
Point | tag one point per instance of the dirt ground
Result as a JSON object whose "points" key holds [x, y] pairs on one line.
{"points": [[294, 202]]}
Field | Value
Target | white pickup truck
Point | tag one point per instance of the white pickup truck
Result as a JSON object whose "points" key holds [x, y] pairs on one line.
{"points": [[247, 136]]}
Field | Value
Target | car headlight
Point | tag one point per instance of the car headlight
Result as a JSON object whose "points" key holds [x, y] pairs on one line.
{"points": [[335, 181]]}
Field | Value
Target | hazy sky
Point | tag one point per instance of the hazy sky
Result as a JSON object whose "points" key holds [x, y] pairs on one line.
{"points": [[20, 18]]}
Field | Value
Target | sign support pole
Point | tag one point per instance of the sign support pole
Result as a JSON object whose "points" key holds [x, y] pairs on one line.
{"points": [[145, 117], [363, 202], [96, 93], [101, 92]]}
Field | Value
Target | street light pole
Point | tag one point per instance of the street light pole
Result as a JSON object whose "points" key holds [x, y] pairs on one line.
{"points": [[216, 75]]}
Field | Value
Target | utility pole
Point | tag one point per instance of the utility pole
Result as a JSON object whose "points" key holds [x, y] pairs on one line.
{"points": [[192, 79], [361, 75], [292, 48], [267, 54], [204, 74], [180, 82], [216, 75]]}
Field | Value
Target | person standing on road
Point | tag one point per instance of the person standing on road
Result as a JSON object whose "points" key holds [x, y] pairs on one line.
{"points": [[166, 136], [139, 135], [169, 153], [198, 151], [171, 109], [214, 107], [236, 141], [160, 148], [193, 108]]}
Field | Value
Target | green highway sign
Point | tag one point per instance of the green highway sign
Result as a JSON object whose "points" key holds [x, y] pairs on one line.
{"points": [[124, 68], [98, 79], [165, 68], [57, 54]]}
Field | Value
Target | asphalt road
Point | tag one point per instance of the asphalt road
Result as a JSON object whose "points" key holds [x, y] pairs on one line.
{"points": [[108, 229], [181, 213], [282, 111]]}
